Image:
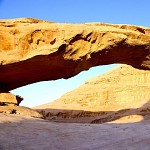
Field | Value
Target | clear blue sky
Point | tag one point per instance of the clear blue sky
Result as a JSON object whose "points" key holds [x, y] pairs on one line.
{"points": [[135, 12]]}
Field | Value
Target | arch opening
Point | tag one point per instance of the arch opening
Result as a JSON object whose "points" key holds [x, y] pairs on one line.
{"points": [[47, 91]]}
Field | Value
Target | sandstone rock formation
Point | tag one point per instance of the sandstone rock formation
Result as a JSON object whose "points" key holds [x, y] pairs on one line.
{"points": [[9, 104], [9, 99], [123, 91], [33, 50], [20, 111]]}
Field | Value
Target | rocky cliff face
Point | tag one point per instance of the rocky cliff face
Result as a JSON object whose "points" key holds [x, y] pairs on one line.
{"points": [[33, 50], [120, 92]]}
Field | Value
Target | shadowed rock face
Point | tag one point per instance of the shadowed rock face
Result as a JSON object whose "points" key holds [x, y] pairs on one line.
{"points": [[33, 50]]}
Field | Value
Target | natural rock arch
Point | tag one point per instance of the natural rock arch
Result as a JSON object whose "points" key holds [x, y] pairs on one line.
{"points": [[34, 50]]}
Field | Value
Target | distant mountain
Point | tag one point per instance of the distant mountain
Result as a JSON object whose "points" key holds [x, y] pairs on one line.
{"points": [[123, 91]]}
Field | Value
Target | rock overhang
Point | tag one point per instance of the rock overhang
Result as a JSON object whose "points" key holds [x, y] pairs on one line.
{"points": [[34, 50]]}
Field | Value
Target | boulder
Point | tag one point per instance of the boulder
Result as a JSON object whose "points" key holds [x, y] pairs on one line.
{"points": [[33, 50], [9, 99]]}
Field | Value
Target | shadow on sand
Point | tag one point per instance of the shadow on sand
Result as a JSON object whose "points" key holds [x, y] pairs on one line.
{"points": [[81, 116]]}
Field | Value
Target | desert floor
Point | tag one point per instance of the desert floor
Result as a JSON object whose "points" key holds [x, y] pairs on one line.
{"points": [[26, 133]]}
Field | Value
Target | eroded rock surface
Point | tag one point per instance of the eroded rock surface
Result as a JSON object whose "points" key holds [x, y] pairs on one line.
{"points": [[33, 50]]}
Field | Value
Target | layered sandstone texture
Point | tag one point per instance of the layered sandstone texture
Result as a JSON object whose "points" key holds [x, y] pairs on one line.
{"points": [[33, 50], [123, 92]]}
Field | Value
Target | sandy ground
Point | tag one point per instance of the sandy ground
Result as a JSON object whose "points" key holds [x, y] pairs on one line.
{"points": [[26, 133]]}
